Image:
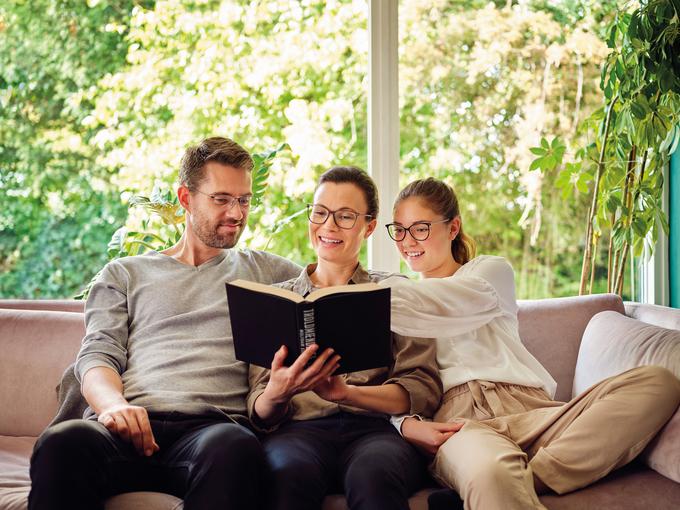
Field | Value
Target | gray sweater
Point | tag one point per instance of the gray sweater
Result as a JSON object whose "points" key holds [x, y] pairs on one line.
{"points": [[164, 327]]}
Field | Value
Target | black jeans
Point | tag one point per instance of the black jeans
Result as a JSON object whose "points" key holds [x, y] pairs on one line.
{"points": [[363, 456], [209, 462]]}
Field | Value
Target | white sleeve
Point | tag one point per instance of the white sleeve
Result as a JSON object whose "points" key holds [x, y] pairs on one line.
{"points": [[397, 421], [445, 307]]}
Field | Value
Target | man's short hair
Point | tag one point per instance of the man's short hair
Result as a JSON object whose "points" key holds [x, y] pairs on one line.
{"points": [[216, 148]]}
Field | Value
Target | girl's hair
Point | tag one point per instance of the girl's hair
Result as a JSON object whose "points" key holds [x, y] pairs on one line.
{"points": [[440, 198], [356, 176]]}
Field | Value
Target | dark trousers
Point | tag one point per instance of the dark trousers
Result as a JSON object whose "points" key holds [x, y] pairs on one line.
{"points": [[210, 463], [363, 457]]}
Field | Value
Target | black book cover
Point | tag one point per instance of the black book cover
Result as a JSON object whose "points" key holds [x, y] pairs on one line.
{"points": [[352, 319]]}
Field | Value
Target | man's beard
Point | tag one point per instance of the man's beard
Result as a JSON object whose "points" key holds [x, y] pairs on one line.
{"points": [[208, 233]]}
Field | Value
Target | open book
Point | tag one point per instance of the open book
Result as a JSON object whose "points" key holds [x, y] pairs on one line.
{"points": [[352, 319]]}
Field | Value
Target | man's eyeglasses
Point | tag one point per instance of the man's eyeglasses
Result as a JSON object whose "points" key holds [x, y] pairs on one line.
{"points": [[228, 201], [344, 218], [419, 231]]}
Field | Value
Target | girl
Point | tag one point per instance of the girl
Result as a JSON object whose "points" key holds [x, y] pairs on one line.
{"points": [[334, 433], [510, 440]]}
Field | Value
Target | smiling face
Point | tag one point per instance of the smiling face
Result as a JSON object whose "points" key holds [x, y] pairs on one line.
{"points": [[431, 257], [218, 226], [330, 242]]}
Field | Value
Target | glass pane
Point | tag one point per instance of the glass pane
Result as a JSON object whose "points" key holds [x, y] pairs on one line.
{"points": [[480, 84], [132, 86]]}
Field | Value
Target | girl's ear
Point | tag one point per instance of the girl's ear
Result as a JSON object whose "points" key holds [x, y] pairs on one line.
{"points": [[454, 228], [370, 228]]}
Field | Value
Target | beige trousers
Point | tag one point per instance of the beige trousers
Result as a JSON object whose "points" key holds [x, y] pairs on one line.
{"points": [[513, 433]]}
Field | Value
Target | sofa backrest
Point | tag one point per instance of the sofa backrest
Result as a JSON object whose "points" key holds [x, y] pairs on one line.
{"points": [[63, 305], [552, 330], [36, 346]]}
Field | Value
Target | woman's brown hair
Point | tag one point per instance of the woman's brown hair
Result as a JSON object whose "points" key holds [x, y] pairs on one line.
{"points": [[440, 198], [355, 175]]}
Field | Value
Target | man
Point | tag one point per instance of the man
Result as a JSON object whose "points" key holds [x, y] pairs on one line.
{"points": [[157, 367]]}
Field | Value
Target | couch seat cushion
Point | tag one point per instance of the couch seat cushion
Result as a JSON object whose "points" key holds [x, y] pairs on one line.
{"points": [[633, 487], [15, 454], [15, 483]]}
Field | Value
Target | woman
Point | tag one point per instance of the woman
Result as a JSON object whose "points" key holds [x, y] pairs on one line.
{"points": [[334, 432], [498, 437]]}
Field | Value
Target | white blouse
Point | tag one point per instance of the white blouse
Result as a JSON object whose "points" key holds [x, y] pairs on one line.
{"points": [[473, 317]]}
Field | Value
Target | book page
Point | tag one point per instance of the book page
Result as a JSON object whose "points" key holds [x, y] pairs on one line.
{"points": [[327, 291], [268, 289]]}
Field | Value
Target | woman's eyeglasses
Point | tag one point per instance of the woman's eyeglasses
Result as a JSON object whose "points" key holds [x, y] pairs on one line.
{"points": [[419, 231], [344, 218]]}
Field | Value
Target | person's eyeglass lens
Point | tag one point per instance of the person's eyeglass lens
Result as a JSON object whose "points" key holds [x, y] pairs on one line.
{"points": [[343, 218], [419, 231], [229, 201]]}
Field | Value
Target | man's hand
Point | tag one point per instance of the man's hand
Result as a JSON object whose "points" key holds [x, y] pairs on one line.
{"points": [[286, 382], [103, 389], [131, 423], [428, 436]]}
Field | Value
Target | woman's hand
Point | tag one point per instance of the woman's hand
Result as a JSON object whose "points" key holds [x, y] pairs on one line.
{"points": [[286, 382], [333, 389], [428, 436]]}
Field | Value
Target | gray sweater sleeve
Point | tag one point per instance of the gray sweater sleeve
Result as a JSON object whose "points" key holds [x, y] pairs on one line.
{"points": [[106, 321], [274, 267]]}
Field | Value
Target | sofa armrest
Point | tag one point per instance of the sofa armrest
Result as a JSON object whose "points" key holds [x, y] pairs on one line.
{"points": [[36, 347]]}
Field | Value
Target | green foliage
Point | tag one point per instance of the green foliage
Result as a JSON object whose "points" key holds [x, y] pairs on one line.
{"points": [[100, 98], [549, 155], [58, 210], [480, 85], [640, 80]]}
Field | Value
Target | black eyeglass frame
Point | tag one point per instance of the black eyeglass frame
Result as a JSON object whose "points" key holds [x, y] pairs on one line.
{"points": [[231, 200], [408, 229], [333, 213]]}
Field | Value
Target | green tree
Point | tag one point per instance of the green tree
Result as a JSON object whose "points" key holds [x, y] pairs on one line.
{"points": [[131, 86], [58, 210], [481, 84]]}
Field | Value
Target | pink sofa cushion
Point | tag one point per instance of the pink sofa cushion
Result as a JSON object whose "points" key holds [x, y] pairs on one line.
{"points": [[552, 329], [663, 453], [36, 347], [614, 343]]}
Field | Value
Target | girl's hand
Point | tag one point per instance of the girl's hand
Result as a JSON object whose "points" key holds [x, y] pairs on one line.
{"points": [[428, 436], [333, 389]]}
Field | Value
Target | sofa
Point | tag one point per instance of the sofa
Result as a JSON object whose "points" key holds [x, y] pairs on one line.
{"points": [[580, 340]]}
